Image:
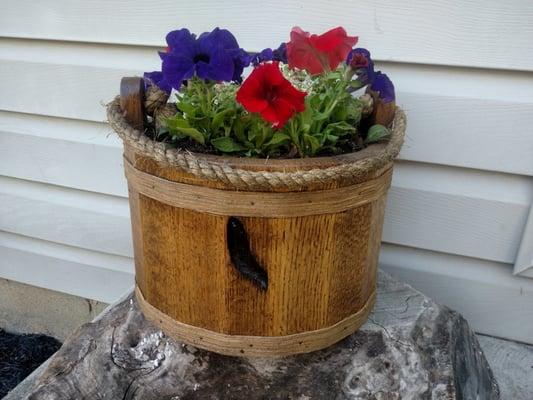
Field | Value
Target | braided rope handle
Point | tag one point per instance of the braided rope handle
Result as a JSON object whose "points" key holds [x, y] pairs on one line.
{"points": [[126, 117]]}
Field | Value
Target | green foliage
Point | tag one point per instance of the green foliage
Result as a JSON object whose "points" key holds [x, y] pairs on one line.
{"points": [[330, 118], [377, 133], [209, 114]]}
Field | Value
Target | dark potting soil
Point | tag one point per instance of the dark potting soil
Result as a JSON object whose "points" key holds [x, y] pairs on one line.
{"points": [[20, 355]]}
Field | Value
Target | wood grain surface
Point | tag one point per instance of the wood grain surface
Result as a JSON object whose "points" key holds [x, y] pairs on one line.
{"points": [[255, 346], [257, 204], [321, 268], [132, 101]]}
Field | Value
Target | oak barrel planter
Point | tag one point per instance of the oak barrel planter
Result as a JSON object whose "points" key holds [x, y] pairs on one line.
{"points": [[253, 257]]}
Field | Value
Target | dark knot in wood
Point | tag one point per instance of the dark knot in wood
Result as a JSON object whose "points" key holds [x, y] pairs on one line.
{"points": [[241, 254]]}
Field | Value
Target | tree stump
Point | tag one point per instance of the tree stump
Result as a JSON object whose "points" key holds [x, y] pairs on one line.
{"points": [[410, 348]]}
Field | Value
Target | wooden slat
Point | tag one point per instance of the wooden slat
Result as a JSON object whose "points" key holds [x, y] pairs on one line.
{"points": [[67, 216], [464, 125], [257, 204], [63, 162], [440, 32], [71, 91], [430, 79], [459, 211], [62, 152], [443, 209], [142, 58], [472, 133], [492, 300], [454, 224], [82, 273], [487, 185]]}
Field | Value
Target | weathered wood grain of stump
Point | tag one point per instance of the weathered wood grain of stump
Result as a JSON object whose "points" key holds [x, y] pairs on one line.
{"points": [[410, 348]]}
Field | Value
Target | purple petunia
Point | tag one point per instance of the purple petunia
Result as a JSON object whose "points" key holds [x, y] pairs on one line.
{"points": [[213, 55], [359, 60], [279, 54], [383, 85], [241, 60], [156, 78], [265, 55]]}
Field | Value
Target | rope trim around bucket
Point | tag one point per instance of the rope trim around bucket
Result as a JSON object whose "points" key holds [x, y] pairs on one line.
{"points": [[204, 168], [255, 346], [256, 204]]}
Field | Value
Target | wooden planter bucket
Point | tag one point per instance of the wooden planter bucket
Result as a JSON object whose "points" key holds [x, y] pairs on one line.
{"points": [[253, 257]]}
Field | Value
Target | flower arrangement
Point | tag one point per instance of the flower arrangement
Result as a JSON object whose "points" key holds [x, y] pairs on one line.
{"points": [[301, 99]]}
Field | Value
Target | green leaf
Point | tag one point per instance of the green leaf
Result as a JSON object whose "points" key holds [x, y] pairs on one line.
{"points": [[219, 117], [278, 139], [252, 132], [187, 108], [341, 126], [179, 125], [313, 143], [321, 116], [238, 130], [226, 144], [333, 139], [377, 133], [355, 84], [193, 134]]}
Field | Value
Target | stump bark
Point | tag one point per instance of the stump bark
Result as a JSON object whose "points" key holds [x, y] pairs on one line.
{"points": [[410, 348]]}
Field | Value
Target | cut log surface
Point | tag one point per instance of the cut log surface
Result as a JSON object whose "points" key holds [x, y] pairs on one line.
{"points": [[410, 348]]}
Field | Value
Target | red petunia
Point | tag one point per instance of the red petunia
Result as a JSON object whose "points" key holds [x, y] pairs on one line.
{"points": [[318, 53], [266, 91]]}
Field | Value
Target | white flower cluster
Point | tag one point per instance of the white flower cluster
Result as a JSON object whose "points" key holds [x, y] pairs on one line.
{"points": [[300, 79], [223, 92]]}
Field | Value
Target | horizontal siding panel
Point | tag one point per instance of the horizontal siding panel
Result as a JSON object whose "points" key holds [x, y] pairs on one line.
{"points": [[439, 32], [465, 132], [492, 300], [59, 162], [467, 129], [430, 79], [49, 265], [72, 130], [88, 156], [68, 91], [497, 186], [56, 250], [140, 58], [488, 145], [454, 224], [460, 211], [67, 216], [418, 214]]}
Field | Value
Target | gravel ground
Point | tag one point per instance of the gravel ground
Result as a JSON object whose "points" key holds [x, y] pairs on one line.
{"points": [[512, 364]]}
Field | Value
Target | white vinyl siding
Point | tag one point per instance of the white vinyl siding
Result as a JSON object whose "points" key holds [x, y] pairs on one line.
{"points": [[462, 189]]}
